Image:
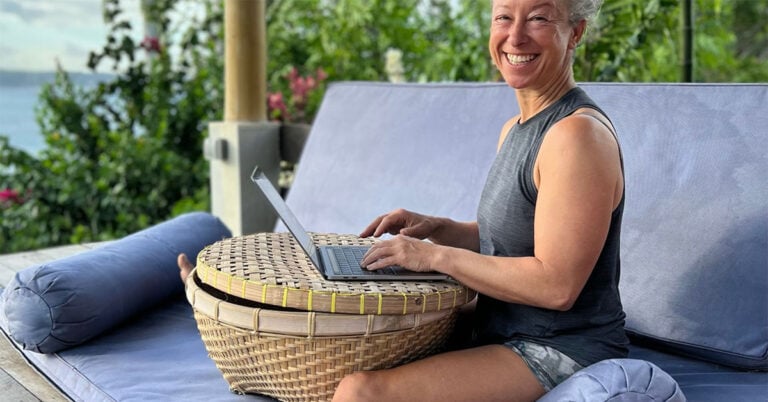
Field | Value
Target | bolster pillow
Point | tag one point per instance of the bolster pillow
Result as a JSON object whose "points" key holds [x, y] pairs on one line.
{"points": [[63, 303], [618, 380]]}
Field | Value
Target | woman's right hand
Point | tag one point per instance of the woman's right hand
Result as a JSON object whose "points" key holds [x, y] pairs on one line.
{"points": [[403, 222]]}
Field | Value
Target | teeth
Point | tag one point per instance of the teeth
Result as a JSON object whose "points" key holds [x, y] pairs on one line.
{"points": [[519, 59]]}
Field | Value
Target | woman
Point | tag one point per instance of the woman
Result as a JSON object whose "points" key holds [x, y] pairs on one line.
{"points": [[544, 252]]}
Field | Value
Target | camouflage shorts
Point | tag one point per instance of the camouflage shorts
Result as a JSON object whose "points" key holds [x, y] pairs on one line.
{"points": [[549, 365]]}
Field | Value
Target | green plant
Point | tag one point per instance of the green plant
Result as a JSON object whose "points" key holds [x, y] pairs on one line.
{"points": [[127, 153]]}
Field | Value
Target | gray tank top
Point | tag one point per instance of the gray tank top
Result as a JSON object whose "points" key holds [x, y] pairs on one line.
{"points": [[593, 329]]}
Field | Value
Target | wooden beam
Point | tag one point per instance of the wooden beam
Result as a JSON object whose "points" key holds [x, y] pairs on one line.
{"points": [[245, 60]]}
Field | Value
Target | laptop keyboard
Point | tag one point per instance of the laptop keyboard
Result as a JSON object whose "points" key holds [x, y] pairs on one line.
{"points": [[348, 261]]}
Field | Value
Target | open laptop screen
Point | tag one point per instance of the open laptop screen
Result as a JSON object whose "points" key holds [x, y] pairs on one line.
{"points": [[285, 214]]}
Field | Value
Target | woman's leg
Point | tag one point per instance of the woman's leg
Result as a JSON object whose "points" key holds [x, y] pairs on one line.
{"points": [[487, 373]]}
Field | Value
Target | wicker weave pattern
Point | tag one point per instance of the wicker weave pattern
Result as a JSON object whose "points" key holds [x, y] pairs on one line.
{"points": [[302, 369], [270, 268]]}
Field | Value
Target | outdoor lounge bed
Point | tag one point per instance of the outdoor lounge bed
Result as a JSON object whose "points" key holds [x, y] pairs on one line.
{"points": [[694, 246]]}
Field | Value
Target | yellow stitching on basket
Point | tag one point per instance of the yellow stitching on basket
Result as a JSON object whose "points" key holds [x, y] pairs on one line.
{"points": [[362, 303], [439, 301], [229, 284], [244, 282], [285, 297], [309, 300], [333, 302], [455, 294], [264, 294], [381, 301], [424, 304], [405, 303]]}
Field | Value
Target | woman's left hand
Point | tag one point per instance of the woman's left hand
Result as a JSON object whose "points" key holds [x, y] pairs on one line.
{"points": [[408, 252]]}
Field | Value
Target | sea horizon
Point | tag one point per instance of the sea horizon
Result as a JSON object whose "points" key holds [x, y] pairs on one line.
{"points": [[19, 96]]}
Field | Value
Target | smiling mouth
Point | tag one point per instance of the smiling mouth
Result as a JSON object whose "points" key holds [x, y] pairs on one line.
{"points": [[517, 59]]}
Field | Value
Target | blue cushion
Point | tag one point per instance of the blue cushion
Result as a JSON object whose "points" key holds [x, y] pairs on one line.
{"points": [[66, 302], [703, 381], [618, 380], [694, 240]]}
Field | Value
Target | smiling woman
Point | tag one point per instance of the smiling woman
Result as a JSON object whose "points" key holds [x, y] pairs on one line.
{"points": [[544, 252]]}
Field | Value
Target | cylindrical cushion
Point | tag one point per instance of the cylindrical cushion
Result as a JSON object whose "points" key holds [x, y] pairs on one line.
{"points": [[618, 380], [66, 302]]}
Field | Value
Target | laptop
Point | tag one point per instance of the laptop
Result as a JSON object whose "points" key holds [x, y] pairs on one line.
{"points": [[333, 262]]}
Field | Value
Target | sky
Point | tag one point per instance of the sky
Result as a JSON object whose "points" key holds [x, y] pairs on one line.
{"points": [[36, 33]]}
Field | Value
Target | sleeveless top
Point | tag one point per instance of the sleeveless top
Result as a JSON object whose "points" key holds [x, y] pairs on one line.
{"points": [[593, 329]]}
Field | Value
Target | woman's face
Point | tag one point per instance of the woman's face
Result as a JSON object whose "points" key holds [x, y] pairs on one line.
{"points": [[531, 41]]}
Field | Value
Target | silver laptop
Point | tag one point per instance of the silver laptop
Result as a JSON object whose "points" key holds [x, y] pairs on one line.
{"points": [[333, 262]]}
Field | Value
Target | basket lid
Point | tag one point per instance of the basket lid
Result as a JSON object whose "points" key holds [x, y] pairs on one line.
{"points": [[271, 268], [265, 321]]}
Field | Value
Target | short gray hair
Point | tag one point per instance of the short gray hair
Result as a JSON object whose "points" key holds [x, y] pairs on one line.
{"points": [[582, 10]]}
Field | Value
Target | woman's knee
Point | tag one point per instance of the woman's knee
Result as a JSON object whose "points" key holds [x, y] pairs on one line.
{"points": [[359, 386]]}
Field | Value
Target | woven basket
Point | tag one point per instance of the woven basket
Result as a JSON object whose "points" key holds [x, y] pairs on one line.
{"points": [[274, 326], [300, 355]]}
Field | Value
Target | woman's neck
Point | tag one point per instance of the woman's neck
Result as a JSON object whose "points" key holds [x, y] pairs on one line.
{"points": [[533, 101]]}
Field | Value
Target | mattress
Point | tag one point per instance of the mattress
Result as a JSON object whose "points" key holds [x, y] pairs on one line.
{"points": [[158, 356]]}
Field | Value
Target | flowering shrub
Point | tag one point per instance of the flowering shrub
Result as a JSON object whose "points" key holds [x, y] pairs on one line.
{"points": [[300, 105], [152, 44], [9, 197]]}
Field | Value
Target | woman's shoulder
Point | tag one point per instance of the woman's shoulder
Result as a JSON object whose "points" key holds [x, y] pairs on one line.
{"points": [[585, 135]]}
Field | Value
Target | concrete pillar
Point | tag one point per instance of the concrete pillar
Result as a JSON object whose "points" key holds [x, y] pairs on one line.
{"points": [[233, 149], [245, 138]]}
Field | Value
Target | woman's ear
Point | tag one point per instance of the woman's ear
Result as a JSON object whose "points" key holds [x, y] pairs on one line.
{"points": [[577, 34]]}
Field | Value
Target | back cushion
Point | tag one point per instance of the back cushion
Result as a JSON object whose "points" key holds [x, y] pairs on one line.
{"points": [[695, 234], [375, 147]]}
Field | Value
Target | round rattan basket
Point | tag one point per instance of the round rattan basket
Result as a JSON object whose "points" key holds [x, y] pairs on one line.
{"points": [[275, 327], [302, 355]]}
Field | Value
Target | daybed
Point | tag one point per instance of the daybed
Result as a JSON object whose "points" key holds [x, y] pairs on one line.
{"points": [[694, 247]]}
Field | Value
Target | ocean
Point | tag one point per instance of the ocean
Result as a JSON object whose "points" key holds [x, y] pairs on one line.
{"points": [[17, 117], [19, 92]]}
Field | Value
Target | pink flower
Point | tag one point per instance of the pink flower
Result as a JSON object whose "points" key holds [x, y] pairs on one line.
{"points": [[321, 74], [9, 197], [151, 44], [277, 107], [297, 101]]}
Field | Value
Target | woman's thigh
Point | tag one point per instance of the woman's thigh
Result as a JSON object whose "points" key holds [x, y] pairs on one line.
{"points": [[487, 373]]}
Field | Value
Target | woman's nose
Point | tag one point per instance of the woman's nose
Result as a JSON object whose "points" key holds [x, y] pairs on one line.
{"points": [[517, 34]]}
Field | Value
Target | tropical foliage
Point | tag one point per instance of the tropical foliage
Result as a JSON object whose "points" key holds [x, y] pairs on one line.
{"points": [[127, 153]]}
